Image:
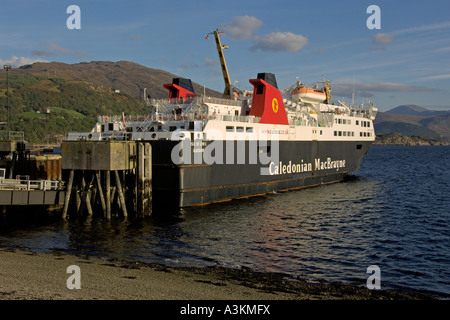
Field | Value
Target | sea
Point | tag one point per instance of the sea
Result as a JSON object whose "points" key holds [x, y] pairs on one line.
{"points": [[393, 213]]}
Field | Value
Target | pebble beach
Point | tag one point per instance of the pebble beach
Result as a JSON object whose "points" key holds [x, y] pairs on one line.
{"points": [[26, 275]]}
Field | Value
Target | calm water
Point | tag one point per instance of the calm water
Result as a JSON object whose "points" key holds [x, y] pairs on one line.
{"points": [[394, 213]]}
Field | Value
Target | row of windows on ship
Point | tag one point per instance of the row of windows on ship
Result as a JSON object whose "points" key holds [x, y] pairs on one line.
{"points": [[348, 121], [351, 134]]}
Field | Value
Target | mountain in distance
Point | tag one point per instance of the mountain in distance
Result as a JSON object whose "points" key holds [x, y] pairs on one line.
{"points": [[128, 77], [414, 120], [415, 110]]}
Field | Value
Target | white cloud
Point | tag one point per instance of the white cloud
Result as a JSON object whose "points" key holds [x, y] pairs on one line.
{"points": [[211, 63], [436, 77], [186, 65], [242, 27], [383, 38], [53, 48], [422, 28], [366, 89], [16, 62], [280, 41]]}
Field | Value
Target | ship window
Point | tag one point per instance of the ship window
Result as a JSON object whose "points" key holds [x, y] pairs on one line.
{"points": [[358, 146], [360, 134], [236, 112], [249, 129], [340, 133], [320, 132], [345, 133], [357, 122], [260, 89], [103, 128], [110, 126], [353, 133], [339, 120], [239, 129], [344, 121], [335, 133], [172, 128], [368, 124], [230, 129]]}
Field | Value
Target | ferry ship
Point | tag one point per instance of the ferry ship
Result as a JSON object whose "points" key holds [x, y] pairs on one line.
{"points": [[207, 149]]}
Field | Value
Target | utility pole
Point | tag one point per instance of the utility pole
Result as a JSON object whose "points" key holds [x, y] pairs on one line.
{"points": [[7, 68]]}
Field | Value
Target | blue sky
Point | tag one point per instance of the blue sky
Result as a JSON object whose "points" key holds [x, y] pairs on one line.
{"points": [[407, 61]]}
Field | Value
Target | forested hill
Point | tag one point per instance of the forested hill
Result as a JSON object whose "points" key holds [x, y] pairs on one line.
{"points": [[47, 100], [46, 109], [128, 77]]}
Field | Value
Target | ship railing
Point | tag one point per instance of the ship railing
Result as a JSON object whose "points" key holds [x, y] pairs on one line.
{"points": [[173, 117], [24, 183], [229, 102], [196, 100]]}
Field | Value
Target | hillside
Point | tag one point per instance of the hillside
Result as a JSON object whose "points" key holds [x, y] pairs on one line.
{"points": [[414, 120], [45, 108], [50, 99], [397, 139], [128, 77]]}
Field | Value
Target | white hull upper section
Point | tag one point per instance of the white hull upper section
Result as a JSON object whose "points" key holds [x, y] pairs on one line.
{"points": [[222, 119]]}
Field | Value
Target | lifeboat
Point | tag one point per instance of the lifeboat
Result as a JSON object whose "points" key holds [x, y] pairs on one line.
{"points": [[308, 95]]}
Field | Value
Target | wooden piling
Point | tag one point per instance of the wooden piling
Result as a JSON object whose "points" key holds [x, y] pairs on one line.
{"points": [[100, 193], [108, 194], [68, 192], [121, 196]]}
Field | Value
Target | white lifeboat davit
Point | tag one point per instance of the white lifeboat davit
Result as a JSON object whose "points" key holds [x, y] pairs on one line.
{"points": [[308, 95]]}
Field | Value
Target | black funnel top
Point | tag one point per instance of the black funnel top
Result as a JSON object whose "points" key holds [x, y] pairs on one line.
{"points": [[184, 83], [269, 78]]}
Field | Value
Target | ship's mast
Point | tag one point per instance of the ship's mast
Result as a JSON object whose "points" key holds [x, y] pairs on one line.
{"points": [[223, 64]]}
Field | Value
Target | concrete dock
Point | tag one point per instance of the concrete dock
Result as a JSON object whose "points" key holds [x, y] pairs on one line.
{"points": [[118, 172], [107, 177]]}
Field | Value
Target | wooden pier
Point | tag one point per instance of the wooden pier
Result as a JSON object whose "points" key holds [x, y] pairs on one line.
{"points": [[110, 177]]}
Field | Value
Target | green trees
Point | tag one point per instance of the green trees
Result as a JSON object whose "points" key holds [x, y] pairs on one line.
{"points": [[44, 108]]}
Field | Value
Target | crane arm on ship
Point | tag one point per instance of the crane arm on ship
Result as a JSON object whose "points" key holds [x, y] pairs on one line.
{"points": [[223, 64], [327, 89]]}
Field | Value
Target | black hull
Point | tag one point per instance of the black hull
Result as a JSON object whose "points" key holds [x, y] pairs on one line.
{"points": [[300, 164]]}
